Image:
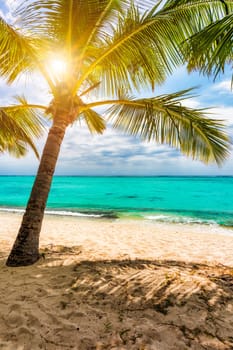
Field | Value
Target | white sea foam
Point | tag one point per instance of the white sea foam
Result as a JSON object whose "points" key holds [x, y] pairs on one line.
{"points": [[159, 218], [211, 226], [55, 212], [12, 210], [72, 213], [179, 219]]}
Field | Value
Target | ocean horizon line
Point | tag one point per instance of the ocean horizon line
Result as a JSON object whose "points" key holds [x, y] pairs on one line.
{"points": [[127, 176]]}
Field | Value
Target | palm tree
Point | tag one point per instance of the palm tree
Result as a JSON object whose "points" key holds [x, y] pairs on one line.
{"points": [[110, 48]]}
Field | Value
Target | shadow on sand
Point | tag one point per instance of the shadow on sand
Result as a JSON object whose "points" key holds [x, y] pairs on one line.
{"points": [[65, 302]]}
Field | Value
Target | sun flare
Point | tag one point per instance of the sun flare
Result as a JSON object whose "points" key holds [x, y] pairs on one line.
{"points": [[57, 68]]}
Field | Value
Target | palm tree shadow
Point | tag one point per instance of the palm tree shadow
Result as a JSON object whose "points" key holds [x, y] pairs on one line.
{"points": [[168, 302], [152, 283], [194, 299]]}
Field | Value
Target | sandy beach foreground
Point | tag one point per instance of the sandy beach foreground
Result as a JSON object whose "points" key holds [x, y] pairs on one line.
{"points": [[105, 284]]}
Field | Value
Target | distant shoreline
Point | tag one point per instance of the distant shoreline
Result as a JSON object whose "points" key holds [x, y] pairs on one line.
{"points": [[76, 218], [73, 230], [114, 215]]}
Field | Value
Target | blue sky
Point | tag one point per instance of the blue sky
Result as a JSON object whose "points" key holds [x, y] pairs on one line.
{"points": [[117, 154]]}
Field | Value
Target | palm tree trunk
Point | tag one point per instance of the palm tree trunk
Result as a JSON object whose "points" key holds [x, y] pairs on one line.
{"points": [[26, 247]]}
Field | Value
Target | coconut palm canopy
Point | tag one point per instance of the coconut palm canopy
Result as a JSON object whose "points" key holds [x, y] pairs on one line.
{"points": [[100, 53]]}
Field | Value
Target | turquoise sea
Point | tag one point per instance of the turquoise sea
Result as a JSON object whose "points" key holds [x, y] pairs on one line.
{"points": [[204, 200]]}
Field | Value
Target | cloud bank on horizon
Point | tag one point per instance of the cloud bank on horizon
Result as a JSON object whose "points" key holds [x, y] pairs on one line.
{"points": [[116, 154]]}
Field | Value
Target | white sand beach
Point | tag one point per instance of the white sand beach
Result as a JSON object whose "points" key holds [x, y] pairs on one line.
{"points": [[115, 284]]}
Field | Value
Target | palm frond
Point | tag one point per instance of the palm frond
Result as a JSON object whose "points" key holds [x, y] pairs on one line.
{"points": [[137, 54], [144, 48], [165, 120], [192, 16], [20, 52], [211, 49], [196, 14], [8, 142], [19, 125], [15, 52], [79, 21], [95, 123], [105, 12]]}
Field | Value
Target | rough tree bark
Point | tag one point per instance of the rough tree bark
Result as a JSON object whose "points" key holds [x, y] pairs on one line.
{"points": [[25, 250]]}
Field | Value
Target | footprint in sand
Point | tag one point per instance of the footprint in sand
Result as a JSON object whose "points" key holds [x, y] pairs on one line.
{"points": [[33, 322], [26, 339], [15, 318]]}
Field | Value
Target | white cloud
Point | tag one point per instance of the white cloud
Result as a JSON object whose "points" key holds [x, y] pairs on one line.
{"points": [[34, 88], [10, 6], [191, 103], [2, 14], [223, 87], [224, 113]]}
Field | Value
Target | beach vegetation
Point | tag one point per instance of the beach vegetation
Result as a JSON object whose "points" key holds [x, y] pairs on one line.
{"points": [[96, 56]]}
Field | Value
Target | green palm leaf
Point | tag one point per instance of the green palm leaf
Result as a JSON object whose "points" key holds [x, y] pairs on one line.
{"points": [[120, 57], [165, 120], [20, 124], [15, 52], [21, 52], [119, 60], [95, 123], [197, 14], [8, 140], [208, 27], [211, 49]]}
